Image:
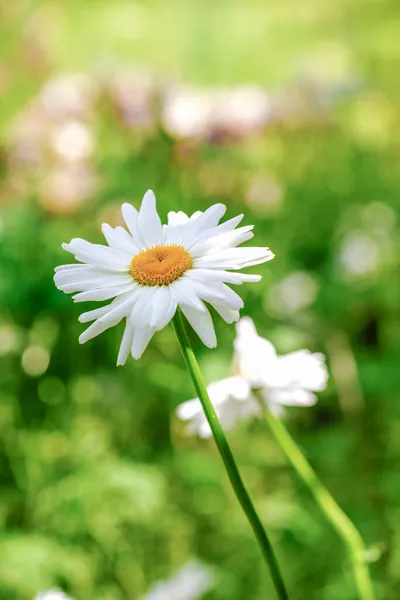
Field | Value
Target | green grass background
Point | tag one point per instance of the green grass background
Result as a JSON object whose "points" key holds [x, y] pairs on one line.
{"points": [[101, 491]]}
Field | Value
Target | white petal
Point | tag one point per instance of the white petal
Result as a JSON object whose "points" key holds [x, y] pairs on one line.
{"points": [[141, 338], [103, 293], [84, 273], [71, 267], [174, 234], [164, 307], [92, 315], [195, 215], [304, 369], [290, 397], [231, 239], [70, 273], [119, 308], [228, 315], [208, 276], [208, 244], [195, 228], [219, 229], [246, 329], [126, 344], [149, 222], [94, 330], [232, 400], [174, 231], [189, 409], [177, 218], [255, 356], [229, 225], [130, 215], [97, 313], [98, 255], [248, 277], [184, 293], [234, 258], [220, 293], [202, 324], [119, 239], [143, 307], [93, 283], [110, 319], [204, 430]]}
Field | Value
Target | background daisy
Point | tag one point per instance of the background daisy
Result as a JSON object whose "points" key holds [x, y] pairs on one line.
{"points": [[288, 380]]}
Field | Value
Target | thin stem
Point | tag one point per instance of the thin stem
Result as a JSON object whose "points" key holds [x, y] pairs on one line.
{"points": [[227, 456], [332, 511]]}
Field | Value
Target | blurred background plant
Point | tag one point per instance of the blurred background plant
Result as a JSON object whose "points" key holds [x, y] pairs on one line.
{"points": [[287, 112]]}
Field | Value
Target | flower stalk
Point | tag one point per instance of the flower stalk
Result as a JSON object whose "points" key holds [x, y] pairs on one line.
{"points": [[227, 456], [344, 527]]}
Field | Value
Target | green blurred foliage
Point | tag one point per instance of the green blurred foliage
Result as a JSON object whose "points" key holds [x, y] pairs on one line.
{"points": [[101, 491]]}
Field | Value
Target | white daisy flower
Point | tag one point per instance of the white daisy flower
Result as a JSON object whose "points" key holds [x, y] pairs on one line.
{"points": [[288, 380], [151, 269]]}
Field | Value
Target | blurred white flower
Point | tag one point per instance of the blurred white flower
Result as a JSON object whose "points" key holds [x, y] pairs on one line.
{"points": [[68, 95], [240, 112], [133, 94], [288, 380], [191, 582], [295, 292], [232, 399], [360, 255], [66, 187], [52, 595], [187, 112], [73, 141], [202, 113]]}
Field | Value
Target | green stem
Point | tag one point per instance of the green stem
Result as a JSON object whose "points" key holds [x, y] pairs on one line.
{"points": [[227, 456], [332, 511]]}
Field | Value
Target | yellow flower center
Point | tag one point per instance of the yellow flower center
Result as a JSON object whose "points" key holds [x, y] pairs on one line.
{"points": [[160, 265]]}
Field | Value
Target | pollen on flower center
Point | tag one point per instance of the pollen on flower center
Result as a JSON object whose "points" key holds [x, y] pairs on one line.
{"points": [[160, 265]]}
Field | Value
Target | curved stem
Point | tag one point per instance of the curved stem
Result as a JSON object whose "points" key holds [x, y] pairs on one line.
{"points": [[332, 511], [227, 456]]}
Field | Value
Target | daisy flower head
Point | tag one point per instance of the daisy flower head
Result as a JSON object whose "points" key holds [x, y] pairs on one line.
{"points": [[290, 379], [260, 373], [149, 269]]}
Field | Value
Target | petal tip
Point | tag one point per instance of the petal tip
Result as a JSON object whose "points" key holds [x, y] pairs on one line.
{"points": [[149, 197], [126, 206]]}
